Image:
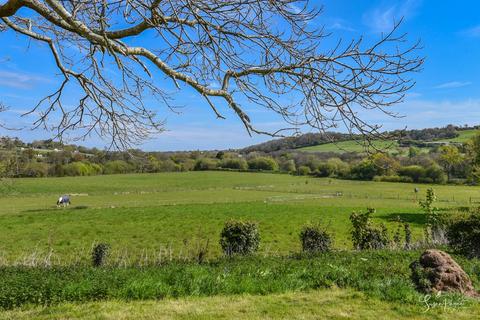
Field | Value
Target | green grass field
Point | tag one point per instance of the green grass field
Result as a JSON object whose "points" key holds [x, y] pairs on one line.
{"points": [[390, 146], [154, 218], [464, 136], [178, 211], [351, 146], [309, 305]]}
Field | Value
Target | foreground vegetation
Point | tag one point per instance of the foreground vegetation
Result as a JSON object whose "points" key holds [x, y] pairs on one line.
{"points": [[157, 224], [383, 275]]}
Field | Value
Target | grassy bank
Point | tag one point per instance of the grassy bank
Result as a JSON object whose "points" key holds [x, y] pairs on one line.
{"points": [[383, 275], [309, 305]]}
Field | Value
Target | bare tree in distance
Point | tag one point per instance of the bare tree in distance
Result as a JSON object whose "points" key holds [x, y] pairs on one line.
{"points": [[232, 53]]}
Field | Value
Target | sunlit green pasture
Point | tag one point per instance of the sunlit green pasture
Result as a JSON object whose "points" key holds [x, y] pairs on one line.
{"points": [[321, 304], [152, 215], [351, 146]]}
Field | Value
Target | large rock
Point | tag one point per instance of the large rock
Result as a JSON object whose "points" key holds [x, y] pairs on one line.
{"points": [[436, 271]]}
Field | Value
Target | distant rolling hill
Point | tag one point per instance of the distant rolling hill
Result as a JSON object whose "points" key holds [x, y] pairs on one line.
{"points": [[463, 136], [399, 143], [351, 146]]}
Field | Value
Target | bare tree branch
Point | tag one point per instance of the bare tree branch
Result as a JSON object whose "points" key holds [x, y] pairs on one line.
{"points": [[234, 54]]}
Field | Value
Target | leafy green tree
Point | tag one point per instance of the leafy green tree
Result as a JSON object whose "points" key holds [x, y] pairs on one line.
{"points": [[205, 164], [35, 170], [117, 166], [263, 163], [303, 171], [413, 152], [153, 164], [449, 158], [234, 163], [364, 170], [384, 164], [288, 166], [415, 172]]}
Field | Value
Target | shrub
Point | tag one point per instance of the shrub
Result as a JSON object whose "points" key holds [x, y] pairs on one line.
{"points": [[303, 171], [117, 166], [341, 168], [187, 165], [263, 163], [35, 170], [169, 166], [366, 236], [414, 172], [315, 238], [435, 223], [205, 164], [81, 169], [464, 235], [239, 237], [436, 174], [364, 170], [288, 166], [99, 254], [231, 163], [325, 169]]}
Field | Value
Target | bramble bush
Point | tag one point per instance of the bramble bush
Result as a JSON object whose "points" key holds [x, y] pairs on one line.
{"points": [[239, 238], [464, 235], [365, 235], [315, 238]]}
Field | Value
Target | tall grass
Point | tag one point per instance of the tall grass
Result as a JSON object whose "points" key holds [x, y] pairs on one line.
{"points": [[380, 274]]}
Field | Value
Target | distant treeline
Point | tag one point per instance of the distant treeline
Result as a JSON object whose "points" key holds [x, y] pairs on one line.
{"points": [[458, 163]]}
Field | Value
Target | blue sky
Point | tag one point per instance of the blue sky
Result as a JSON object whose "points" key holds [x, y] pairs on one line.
{"points": [[447, 89]]}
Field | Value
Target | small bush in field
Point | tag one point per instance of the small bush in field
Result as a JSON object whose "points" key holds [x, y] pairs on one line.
{"points": [[99, 254], [365, 235], [464, 235], [239, 238], [315, 238]]}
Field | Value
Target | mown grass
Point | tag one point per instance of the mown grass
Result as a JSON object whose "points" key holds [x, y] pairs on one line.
{"points": [[309, 305], [150, 214], [383, 275]]}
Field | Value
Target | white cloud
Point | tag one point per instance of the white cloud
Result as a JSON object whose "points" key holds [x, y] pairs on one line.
{"points": [[340, 24], [19, 80], [453, 85], [430, 113], [382, 19]]}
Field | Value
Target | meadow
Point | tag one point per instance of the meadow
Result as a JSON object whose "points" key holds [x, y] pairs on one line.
{"points": [[387, 145], [147, 214], [351, 146], [157, 223]]}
